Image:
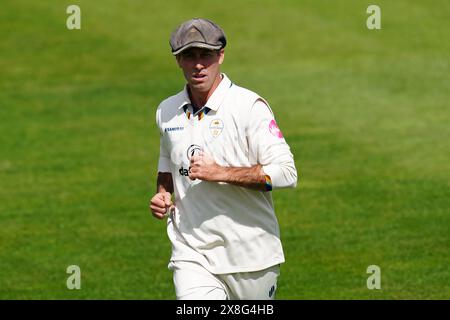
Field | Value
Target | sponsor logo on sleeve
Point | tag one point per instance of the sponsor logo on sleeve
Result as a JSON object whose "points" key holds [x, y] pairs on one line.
{"points": [[274, 130]]}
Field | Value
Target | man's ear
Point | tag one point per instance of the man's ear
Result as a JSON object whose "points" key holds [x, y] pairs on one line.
{"points": [[221, 55], [177, 57]]}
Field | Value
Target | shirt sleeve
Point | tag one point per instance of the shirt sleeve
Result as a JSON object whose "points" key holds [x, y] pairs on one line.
{"points": [[164, 155], [268, 147]]}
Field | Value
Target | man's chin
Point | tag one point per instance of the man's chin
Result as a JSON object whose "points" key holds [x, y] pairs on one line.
{"points": [[199, 87]]}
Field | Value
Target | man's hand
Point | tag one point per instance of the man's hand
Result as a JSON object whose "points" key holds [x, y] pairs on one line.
{"points": [[161, 205], [204, 167]]}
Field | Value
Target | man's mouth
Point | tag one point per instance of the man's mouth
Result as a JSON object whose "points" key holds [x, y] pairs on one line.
{"points": [[198, 76]]}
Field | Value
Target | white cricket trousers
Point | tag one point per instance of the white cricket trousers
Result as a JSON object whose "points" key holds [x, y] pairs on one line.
{"points": [[193, 282]]}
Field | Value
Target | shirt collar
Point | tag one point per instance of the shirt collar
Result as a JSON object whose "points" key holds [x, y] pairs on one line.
{"points": [[216, 98], [184, 98]]}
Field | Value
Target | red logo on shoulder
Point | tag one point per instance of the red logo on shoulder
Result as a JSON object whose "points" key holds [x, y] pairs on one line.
{"points": [[274, 130]]}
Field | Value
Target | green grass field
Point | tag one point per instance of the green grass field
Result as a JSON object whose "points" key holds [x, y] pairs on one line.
{"points": [[366, 113]]}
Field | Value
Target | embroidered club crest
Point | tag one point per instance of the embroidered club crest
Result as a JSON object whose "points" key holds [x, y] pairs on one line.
{"points": [[216, 127]]}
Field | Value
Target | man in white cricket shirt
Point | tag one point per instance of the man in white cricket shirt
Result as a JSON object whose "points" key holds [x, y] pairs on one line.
{"points": [[221, 155]]}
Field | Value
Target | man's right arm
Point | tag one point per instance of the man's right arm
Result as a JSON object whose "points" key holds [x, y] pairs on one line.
{"points": [[164, 182], [161, 203]]}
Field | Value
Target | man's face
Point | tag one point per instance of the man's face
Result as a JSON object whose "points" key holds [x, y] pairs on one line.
{"points": [[200, 67]]}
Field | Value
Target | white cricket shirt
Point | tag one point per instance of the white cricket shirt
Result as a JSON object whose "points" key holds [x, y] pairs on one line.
{"points": [[224, 227]]}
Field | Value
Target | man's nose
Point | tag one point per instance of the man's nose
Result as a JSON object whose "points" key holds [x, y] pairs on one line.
{"points": [[198, 65]]}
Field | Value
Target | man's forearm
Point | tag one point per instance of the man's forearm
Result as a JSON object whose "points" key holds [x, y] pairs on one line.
{"points": [[247, 177], [164, 182]]}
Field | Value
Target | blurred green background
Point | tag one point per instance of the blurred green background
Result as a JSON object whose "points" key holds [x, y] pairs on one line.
{"points": [[366, 113]]}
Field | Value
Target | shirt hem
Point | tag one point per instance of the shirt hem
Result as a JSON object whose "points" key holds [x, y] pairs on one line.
{"points": [[238, 269]]}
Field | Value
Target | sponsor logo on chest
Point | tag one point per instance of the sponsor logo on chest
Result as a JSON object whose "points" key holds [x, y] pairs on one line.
{"points": [[172, 129]]}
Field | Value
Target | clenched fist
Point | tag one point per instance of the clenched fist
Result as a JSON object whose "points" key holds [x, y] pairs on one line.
{"points": [[161, 205], [204, 167]]}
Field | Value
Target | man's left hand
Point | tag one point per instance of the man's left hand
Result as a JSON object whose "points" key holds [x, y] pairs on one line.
{"points": [[204, 167]]}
